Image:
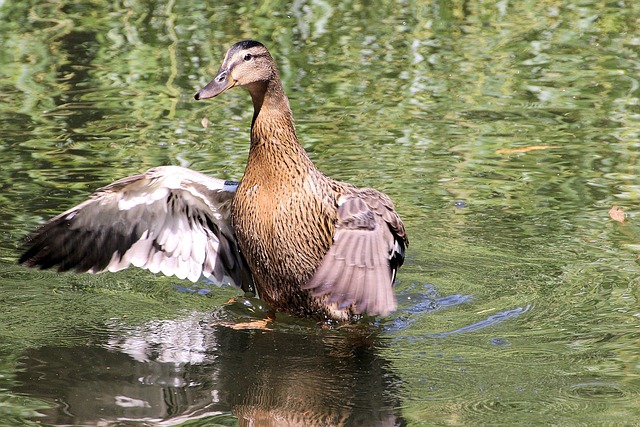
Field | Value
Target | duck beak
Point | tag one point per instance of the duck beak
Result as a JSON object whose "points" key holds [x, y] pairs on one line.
{"points": [[222, 82]]}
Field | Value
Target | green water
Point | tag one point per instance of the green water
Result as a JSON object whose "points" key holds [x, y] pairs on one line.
{"points": [[503, 131]]}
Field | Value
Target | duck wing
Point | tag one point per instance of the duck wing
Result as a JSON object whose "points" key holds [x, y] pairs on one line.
{"points": [[169, 219], [368, 247]]}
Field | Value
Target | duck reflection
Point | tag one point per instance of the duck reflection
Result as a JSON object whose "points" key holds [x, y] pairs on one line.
{"points": [[168, 372]]}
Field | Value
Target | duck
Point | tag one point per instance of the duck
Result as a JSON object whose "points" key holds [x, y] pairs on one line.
{"points": [[306, 244]]}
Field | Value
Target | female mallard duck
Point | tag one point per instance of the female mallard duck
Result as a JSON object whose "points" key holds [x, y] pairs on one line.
{"points": [[308, 244]]}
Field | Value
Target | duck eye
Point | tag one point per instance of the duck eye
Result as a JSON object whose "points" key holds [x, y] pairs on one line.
{"points": [[247, 57]]}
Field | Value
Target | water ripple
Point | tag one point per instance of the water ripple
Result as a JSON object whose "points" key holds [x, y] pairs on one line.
{"points": [[18, 273], [597, 390], [585, 396]]}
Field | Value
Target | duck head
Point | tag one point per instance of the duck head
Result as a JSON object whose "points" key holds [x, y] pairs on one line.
{"points": [[247, 63]]}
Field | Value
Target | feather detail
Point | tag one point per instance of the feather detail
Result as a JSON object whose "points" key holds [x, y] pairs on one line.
{"points": [[169, 219], [368, 246]]}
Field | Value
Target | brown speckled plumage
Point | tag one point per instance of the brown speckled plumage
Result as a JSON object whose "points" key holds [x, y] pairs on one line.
{"points": [[314, 247], [286, 211]]}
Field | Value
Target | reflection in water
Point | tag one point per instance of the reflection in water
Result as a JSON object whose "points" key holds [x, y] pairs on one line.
{"points": [[489, 321], [172, 371]]}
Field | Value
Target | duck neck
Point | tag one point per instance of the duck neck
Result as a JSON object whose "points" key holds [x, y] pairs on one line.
{"points": [[273, 132]]}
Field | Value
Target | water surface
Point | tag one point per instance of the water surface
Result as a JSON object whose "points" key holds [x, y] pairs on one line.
{"points": [[504, 132]]}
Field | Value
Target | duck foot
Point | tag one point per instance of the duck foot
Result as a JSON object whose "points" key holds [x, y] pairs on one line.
{"points": [[261, 324]]}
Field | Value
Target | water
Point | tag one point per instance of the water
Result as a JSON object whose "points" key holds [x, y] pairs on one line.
{"points": [[504, 132]]}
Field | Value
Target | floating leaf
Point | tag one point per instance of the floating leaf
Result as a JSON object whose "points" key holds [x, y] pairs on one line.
{"points": [[616, 213], [524, 149], [205, 122]]}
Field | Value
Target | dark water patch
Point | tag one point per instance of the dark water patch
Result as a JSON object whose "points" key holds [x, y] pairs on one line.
{"points": [[191, 368]]}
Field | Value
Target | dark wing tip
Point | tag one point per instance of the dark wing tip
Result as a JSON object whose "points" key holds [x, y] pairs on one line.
{"points": [[57, 244]]}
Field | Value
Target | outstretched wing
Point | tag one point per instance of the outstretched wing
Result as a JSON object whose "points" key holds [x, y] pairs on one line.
{"points": [[169, 219], [368, 247]]}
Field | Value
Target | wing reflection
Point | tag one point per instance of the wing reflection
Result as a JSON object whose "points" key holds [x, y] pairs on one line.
{"points": [[167, 372]]}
